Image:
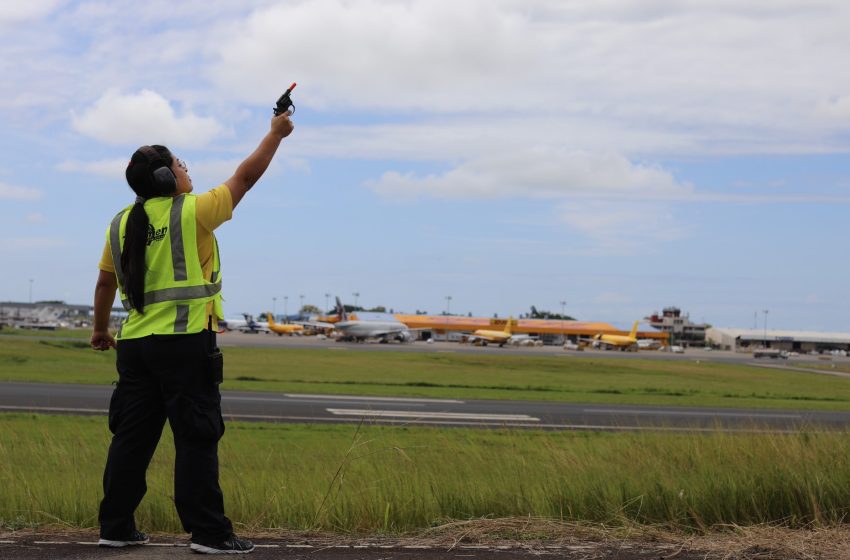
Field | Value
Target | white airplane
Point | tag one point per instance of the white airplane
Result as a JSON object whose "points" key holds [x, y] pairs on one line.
{"points": [[648, 344], [357, 330], [248, 324]]}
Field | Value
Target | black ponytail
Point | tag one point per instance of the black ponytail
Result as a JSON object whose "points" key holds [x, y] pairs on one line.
{"points": [[140, 177], [133, 256]]}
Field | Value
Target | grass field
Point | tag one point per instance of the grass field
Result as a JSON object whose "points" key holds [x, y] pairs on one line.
{"points": [[375, 479], [390, 479], [468, 376]]}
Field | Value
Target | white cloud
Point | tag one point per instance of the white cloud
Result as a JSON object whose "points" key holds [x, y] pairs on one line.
{"points": [[618, 205], [12, 192], [109, 168], [19, 12], [836, 108], [622, 227], [537, 173], [36, 218], [430, 54], [145, 117], [724, 66]]}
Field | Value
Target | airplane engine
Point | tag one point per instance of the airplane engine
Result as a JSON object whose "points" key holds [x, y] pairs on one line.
{"points": [[404, 336]]}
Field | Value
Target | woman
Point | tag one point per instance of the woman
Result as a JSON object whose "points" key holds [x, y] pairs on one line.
{"points": [[162, 257]]}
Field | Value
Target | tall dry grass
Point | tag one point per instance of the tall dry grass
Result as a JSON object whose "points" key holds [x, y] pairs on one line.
{"points": [[393, 479]]}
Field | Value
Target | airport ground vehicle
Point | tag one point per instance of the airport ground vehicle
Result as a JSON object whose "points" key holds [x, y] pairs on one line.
{"points": [[770, 353]]}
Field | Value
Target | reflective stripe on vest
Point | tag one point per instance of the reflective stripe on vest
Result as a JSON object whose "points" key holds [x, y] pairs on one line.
{"points": [[175, 300], [177, 294], [178, 255]]}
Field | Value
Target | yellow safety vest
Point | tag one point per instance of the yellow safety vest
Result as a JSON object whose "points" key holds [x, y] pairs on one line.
{"points": [[176, 292]]}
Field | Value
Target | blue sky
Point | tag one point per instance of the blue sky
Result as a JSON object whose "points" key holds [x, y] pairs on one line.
{"points": [[620, 156]]}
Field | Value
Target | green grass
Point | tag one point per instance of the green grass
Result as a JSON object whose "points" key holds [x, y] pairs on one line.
{"points": [[455, 375], [393, 479], [82, 334]]}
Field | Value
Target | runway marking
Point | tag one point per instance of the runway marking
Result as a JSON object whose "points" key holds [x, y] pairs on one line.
{"points": [[442, 415], [54, 409], [317, 400], [418, 420], [357, 398], [692, 413]]}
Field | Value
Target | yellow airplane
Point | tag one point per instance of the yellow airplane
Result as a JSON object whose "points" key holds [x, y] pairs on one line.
{"points": [[627, 342], [283, 329], [485, 336]]}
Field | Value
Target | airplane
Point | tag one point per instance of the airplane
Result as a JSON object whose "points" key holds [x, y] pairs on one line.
{"points": [[248, 324], [648, 344], [285, 328], [357, 330], [486, 336], [622, 342]]}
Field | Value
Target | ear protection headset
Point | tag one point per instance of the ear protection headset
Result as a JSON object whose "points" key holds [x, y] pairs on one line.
{"points": [[163, 178]]}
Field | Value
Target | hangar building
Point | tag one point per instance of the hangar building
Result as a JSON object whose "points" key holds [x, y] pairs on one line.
{"points": [[796, 341]]}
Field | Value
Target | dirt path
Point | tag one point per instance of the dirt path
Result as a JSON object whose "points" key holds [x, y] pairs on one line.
{"points": [[760, 543]]}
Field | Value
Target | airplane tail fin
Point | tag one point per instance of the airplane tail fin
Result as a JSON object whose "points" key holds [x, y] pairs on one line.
{"points": [[270, 319], [340, 310], [633, 334], [509, 325]]}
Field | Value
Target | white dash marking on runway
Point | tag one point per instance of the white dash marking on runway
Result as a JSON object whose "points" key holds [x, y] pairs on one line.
{"points": [[431, 415], [359, 398], [709, 413]]}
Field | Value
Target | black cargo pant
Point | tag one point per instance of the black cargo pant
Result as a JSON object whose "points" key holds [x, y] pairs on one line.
{"points": [[159, 377]]}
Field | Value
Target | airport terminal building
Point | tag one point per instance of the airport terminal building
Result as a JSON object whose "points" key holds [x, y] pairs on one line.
{"points": [[745, 340]]}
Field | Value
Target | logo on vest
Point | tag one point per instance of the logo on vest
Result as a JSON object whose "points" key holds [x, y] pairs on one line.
{"points": [[156, 234]]}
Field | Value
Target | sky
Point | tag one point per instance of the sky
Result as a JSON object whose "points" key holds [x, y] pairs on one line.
{"points": [[605, 158]]}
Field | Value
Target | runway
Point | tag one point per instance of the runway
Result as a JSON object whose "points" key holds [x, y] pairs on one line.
{"points": [[341, 409]]}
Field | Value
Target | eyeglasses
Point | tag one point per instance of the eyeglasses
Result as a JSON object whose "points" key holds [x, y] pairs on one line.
{"points": [[182, 165]]}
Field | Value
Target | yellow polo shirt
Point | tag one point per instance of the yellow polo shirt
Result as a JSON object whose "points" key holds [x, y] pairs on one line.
{"points": [[212, 209]]}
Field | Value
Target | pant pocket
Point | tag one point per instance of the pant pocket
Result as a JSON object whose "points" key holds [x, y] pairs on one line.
{"points": [[215, 367], [115, 406], [200, 420]]}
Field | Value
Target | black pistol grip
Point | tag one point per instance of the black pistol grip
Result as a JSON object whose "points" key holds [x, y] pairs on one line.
{"points": [[284, 104]]}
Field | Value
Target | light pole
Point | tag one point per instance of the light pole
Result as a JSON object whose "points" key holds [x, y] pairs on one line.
{"points": [[448, 312], [301, 305], [563, 312], [327, 308], [356, 295], [285, 308], [274, 306], [765, 327], [31, 281]]}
